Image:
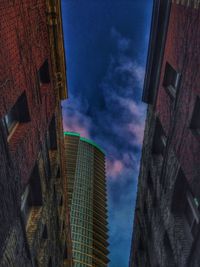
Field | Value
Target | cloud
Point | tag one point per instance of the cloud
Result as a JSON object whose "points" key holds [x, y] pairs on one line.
{"points": [[74, 120], [114, 118], [135, 70], [114, 168], [123, 43]]}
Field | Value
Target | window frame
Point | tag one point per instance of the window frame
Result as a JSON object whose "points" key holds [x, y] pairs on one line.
{"points": [[171, 79]]}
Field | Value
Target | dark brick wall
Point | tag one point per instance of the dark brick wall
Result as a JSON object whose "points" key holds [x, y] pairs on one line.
{"points": [[24, 47], [161, 237]]}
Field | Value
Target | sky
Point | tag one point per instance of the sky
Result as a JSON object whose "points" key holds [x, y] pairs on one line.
{"points": [[106, 45]]}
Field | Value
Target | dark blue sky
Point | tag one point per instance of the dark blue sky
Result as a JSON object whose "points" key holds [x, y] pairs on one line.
{"points": [[106, 46]]}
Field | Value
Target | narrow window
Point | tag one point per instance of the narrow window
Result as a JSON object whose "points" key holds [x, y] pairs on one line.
{"points": [[58, 173], [65, 252], [159, 140], [19, 113], [32, 196], [171, 79], [44, 233], [185, 204], [44, 75], [192, 213], [195, 121], [52, 137], [50, 263]]}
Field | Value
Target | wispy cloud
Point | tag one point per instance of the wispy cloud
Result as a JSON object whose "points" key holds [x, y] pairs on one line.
{"points": [[118, 127], [74, 120]]}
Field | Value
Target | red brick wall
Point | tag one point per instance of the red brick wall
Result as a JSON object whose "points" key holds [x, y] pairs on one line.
{"points": [[182, 52], [24, 46]]}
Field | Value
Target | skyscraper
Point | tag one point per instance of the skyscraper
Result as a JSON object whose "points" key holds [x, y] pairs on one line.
{"points": [[166, 229], [85, 163]]}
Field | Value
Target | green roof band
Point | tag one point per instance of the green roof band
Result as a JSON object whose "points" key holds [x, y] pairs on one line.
{"points": [[85, 140], [72, 133], [92, 143]]}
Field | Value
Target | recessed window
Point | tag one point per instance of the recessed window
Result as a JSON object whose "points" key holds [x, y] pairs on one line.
{"points": [[195, 121], [19, 113], [45, 233], [185, 204], [32, 195], [159, 140], [44, 75], [52, 137], [58, 173], [50, 263], [192, 213], [65, 252], [171, 79]]}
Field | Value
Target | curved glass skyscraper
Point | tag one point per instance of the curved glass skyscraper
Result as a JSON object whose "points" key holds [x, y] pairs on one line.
{"points": [[87, 200]]}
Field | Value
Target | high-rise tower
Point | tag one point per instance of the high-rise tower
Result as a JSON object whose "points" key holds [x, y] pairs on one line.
{"points": [[87, 200]]}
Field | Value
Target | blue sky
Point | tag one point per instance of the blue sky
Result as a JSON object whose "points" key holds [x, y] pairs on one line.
{"points": [[106, 45]]}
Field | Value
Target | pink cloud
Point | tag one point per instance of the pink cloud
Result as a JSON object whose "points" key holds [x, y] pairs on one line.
{"points": [[114, 168], [138, 131], [76, 122]]}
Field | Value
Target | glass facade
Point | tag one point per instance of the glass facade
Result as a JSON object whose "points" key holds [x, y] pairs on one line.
{"points": [[87, 200]]}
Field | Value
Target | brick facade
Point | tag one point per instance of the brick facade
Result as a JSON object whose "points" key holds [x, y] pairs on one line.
{"points": [[31, 49], [166, 224]]}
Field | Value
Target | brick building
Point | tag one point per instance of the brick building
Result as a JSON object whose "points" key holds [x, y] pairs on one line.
{"points": [[166, 228], [34, 217]]}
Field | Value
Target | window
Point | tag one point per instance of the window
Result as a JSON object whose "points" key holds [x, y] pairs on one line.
{"points": [[44, 75], [65, 252], [195, 121], [44, 233], [58, 173], [61, 201], [185, 204], [159, 140], [50, 263], [19, 113], [52, 137], [171, 79], [32, 196], [192, 213]]}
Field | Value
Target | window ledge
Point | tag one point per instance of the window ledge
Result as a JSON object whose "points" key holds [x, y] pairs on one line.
{"points": [[171, 91], [33, 222], [12, 131]]}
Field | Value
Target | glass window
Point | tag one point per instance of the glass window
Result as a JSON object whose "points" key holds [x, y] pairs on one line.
{"points": [[195, 121], [18, 113], [44, 75], [171, 79]]}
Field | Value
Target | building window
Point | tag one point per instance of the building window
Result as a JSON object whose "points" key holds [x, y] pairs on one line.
{"points": [[58, 173], [50, 263], [192, 213], [195, 121], [32, 195], [19, 113], [52, 137], [159, 140], [185, 204], [65, 252], [45, 233], [44, 75], [171, 79]]}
